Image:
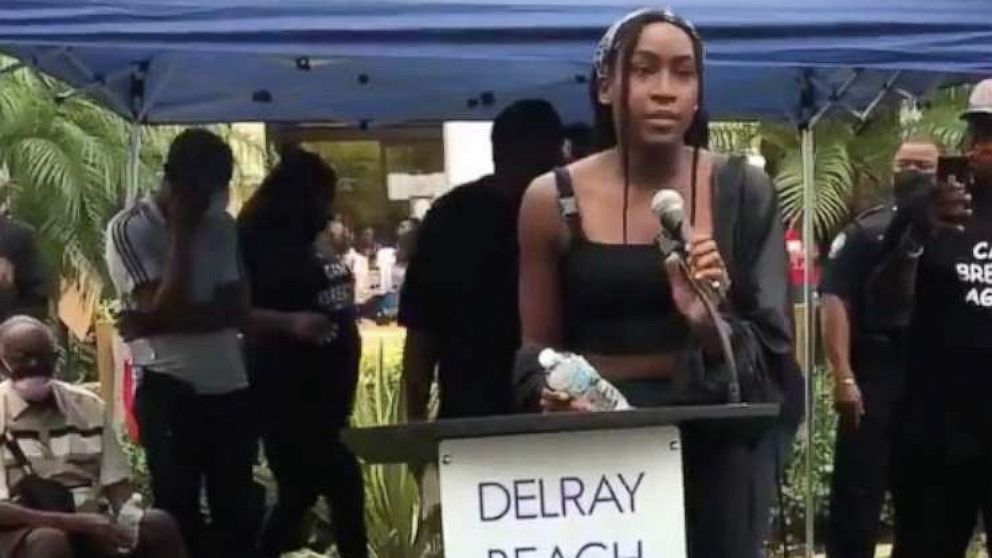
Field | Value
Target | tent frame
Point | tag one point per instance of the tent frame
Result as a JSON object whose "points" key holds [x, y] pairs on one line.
{"points": [[806, 129], [148, 50]]}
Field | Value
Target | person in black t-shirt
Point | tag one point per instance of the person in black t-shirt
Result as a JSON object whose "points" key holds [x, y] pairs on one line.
{"points": [[303, 353], [459, 297], [945, 445]]}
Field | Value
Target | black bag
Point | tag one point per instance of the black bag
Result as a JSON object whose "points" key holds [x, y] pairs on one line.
{"points": [[33, 491], [759, 380]]}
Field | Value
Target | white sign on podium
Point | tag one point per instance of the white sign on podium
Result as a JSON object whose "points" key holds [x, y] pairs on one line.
{"points": [[599, 494]]}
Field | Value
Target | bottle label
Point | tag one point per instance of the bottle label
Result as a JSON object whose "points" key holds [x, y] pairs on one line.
{"points": [[572, 374]]}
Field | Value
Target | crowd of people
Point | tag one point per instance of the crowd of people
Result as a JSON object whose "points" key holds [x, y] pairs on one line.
{"points": [[244, 331], [379, 268]]}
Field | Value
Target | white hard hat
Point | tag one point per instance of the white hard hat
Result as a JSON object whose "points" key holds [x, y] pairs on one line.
{"points": [[980, 101]]}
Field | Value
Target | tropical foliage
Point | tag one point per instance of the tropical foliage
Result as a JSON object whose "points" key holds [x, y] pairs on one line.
{"points": [[833, 175], [795, 486], [393, 509], [851, 167], [66, 164], [66, 161]]}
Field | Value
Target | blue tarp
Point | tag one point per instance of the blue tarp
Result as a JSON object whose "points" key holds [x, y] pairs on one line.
{"points": [[190, 61]]}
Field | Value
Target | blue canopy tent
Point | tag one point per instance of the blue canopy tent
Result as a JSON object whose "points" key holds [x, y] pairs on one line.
{"points": [[187, 61], [388, 61]]}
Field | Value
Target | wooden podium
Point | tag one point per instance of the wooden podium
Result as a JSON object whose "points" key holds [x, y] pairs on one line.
{"points": [[596, 485]]}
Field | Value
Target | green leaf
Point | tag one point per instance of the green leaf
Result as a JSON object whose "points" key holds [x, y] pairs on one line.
{"points": [[833, 182]]}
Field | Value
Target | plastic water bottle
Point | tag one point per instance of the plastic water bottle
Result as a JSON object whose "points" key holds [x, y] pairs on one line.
{"points": [[570, 373], [129, 517]]}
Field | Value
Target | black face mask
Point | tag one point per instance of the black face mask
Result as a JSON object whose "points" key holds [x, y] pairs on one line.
{"points": [[912, 186]]}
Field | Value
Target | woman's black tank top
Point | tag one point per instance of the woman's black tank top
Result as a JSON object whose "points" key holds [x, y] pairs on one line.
{"points": [[616, 298]]}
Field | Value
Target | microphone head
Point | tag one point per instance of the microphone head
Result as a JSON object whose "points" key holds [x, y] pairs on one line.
{"points": [[669, 207]]}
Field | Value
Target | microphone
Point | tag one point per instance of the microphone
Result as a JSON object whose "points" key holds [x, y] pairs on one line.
{"points": [[669, 207]]}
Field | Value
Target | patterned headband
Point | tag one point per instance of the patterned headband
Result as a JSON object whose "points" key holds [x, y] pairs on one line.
{"points": [[608, 44]]}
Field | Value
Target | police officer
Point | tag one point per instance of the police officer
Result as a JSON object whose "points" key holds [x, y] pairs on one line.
{"points": [[863, 353], [945, 442]]}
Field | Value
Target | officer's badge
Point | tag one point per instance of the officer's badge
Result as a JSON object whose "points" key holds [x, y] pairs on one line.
{"points": [[837, 245]]}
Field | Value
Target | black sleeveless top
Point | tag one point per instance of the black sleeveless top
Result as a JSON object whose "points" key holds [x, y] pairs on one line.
{"points": [[616, 298]]}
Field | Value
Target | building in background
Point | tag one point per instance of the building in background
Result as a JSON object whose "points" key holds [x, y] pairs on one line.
{"points": [[385, 174]]}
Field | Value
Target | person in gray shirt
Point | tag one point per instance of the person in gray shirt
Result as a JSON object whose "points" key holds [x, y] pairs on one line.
{"points": [[174, 262]]}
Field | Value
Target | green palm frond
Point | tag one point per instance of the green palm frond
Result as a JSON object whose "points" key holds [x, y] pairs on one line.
{"points": [[833, 178], [66, 163], [852, 167]]}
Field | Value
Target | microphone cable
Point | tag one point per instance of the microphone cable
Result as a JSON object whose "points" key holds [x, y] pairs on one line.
{"points": [[722, 330]]}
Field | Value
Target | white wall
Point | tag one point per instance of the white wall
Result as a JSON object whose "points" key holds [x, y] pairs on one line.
{"points": [[468, 153]]}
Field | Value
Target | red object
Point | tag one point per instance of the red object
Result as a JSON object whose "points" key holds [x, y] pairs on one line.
{"points": [[127, 393], [797, 259]]}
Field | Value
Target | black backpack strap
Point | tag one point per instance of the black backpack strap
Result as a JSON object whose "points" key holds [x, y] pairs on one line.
{"points": [[17, 452], [568, 205]]}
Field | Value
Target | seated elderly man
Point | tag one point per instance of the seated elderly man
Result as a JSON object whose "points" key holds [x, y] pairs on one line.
{"points": [[60, 431]]}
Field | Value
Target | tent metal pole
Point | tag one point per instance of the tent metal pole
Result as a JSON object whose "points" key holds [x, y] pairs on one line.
{"points": [[808, 339], [885, 90], [137, 107], [865, 115], [835, 96], [133, 162], [809, 324]]}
